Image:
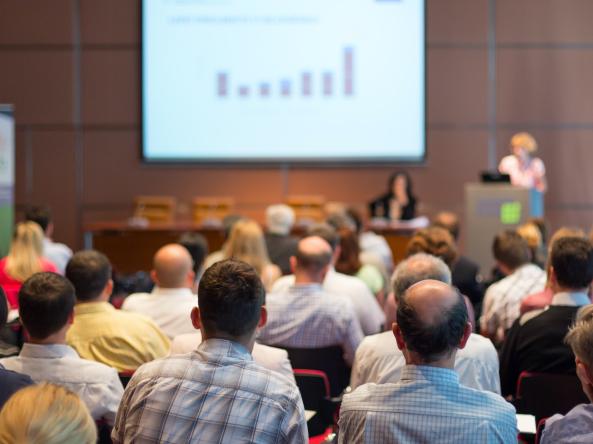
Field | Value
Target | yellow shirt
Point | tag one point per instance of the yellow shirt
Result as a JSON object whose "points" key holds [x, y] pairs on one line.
{"points": [[120, 339]]}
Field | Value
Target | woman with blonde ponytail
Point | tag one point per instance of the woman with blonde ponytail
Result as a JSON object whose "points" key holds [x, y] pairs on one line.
{"points": [[24, 260]]}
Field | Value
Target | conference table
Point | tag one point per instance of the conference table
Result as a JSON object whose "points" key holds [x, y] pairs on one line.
{"points": [[130, 247]]}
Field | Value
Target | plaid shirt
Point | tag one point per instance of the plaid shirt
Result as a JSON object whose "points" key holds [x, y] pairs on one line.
{"points": [[502, 301], [216, 394], [428, 405], [307, 317]]}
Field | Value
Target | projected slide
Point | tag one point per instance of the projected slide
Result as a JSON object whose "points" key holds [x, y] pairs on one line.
{"points": [[277, 80]]}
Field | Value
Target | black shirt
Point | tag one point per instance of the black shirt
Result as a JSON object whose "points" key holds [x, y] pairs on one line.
{"points": [[381, 207], [11, 382], [537, 346]]}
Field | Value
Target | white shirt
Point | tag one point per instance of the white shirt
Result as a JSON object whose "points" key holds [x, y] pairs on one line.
{"points": [[169, 308], [374, 244], [528, 175], [379, 360], [307, 317], [58, 254], [97, 385], [272, 358], [502, 301], [367, 309]]}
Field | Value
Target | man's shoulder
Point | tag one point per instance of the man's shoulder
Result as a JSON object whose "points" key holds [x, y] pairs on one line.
{"points": [[282, 284], [378, 345], [342, 282], [477, 347], [135, 299], [58, 247]]}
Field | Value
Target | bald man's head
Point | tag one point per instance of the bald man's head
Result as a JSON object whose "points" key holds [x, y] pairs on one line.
{"points": [[172, 267], [313, 255], [432, 318]]}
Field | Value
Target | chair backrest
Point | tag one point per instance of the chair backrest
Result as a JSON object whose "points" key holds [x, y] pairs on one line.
{"points": [[211, 210], [125, 376], [544, 394], [314, 388], [307, 209], [329, 360]]}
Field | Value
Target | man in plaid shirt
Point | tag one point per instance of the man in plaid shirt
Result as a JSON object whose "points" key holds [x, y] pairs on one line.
{"points": [[217, 393]]}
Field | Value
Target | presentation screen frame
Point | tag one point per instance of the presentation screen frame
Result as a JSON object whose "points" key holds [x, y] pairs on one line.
{"points": [[319, 162]]}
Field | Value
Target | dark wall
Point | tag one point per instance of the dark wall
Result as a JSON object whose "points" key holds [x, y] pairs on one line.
{"points": [[71, 67]]}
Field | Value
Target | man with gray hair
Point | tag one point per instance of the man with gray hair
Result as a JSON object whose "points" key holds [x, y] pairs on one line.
{"points": [[378, 360], [577, 425], [429, 404], [281, 245]]}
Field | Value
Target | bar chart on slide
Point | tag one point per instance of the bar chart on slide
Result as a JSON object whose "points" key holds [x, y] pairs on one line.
{"points": [[305, 84]]}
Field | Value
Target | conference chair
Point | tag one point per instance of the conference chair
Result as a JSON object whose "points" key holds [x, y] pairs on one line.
{"points": [[159, 209], [307, 209], [125, 376], [210, 211], [544, 394], [329, 360]]}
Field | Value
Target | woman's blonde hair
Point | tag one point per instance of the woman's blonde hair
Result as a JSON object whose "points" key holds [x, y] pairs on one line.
{"points": [[526, 141], [246, 243], [24, 257], [46, 414]]}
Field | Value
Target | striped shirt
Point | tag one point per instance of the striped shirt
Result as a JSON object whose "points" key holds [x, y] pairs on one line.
{"points": [[216, 394], [428, 405], [307, 317], [502, 301]]}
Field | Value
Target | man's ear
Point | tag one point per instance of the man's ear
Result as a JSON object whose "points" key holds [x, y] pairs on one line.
{"points": [[108, 288], [191, 278], [583, 372], [336, 254], [153, 277], [293, 263], [399, 337], [70, 318], [195, 318], [263, 317], [467, 331]]}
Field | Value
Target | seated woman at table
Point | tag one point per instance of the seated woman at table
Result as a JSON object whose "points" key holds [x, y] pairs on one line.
{"points": [[399, 203]]}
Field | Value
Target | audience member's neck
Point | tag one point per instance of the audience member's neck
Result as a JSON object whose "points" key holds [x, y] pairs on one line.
{"points": [[246, 341], [302, 277], [58, 337], [447, 361], [560, 289], [101, 298]]}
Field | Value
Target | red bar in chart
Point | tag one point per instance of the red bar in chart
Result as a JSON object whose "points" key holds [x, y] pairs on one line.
{"points": [[222, 84], [285, 88], [348, 71], [243, 91], [264, 89], [306, 80], [328, 80]]}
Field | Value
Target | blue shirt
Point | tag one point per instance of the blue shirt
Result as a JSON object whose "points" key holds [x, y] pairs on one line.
{"points": [[427, 405], [575, 427]]}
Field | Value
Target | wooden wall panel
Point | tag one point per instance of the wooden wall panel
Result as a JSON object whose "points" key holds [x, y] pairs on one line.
{"points": [[110, 22], [457, 21], [545, 86], [39, 84], [544, 21], [35, 22], [457, 86]]}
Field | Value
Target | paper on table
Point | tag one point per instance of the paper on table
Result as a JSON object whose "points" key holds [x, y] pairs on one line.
{"points": [[526, 424]]}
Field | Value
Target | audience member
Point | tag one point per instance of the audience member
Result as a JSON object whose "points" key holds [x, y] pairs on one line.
{"points": [[246, 243], [46, 303], [435, 241], [217, 393], [171, 300], [197, 246], [503, 298], [349, 263], [530, 232], [46, 414], [366, 308], [24, 259], [57, 253], [378, 360], [464, 272], [304, 315], [542, 299], [227, 225], [428, 404], [577, 425], [534, 343], [272, 358], [279, 242], [10, 381], [374, 248], [116, 338]]}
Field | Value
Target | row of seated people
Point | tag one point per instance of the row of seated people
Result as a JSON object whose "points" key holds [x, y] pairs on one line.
{"points": [[302, 311]]}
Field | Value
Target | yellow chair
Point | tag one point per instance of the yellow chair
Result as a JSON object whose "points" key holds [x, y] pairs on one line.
{"points": [[211, 210], [155, 208]]}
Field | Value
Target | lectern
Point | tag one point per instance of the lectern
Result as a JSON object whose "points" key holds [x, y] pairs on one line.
{"points": [[492, 208]]}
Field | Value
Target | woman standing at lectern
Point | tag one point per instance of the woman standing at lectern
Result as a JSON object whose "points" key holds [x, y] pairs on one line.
{"points": [[399, 203], [525, 169]]}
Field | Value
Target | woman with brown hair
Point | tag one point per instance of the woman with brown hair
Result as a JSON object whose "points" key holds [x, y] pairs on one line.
{"points": [[24, 260]]}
